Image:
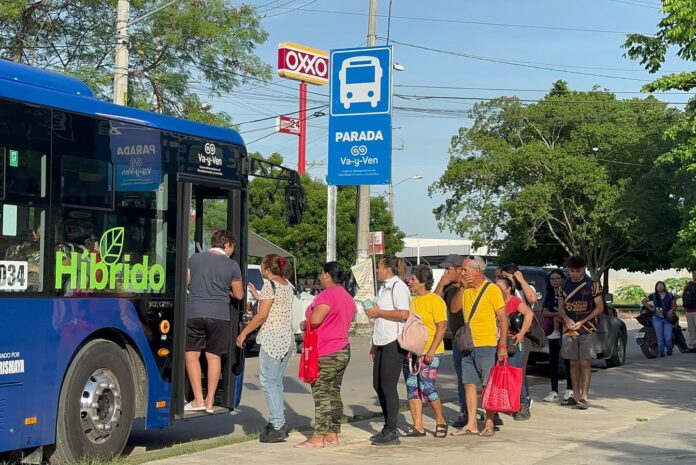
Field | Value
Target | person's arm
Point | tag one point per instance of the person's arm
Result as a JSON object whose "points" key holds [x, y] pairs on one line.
{"points": [[674, 303], [258, 319], [440, 288], [645, 300], [188, 277], [391, 315], [502, 339], [530, 294], [237, 289], [456, 303], [318, 314], [440, 328], [401, 301]]}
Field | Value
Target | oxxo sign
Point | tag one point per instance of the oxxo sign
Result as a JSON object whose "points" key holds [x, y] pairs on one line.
{"points": [[303, 63]]}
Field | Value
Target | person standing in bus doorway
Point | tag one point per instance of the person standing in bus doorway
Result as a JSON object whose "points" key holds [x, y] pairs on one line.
{"points": [[212, 278], [276, 339]]}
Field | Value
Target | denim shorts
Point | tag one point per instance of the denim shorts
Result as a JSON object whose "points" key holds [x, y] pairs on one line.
{"points": [[476, 367]]}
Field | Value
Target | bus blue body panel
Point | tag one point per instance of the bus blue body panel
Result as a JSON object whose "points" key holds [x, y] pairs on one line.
{"points": [[49, 89], [36, 348]]}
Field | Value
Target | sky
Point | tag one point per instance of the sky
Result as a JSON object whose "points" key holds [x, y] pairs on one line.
{"points": [[579, 40]]}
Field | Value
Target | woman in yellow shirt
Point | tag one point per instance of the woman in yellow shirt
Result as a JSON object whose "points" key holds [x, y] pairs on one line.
{"points": [[420, 370]]}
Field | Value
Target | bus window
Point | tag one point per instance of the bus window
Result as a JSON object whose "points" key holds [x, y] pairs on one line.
{"points": [[21, 262], [87, 182]]}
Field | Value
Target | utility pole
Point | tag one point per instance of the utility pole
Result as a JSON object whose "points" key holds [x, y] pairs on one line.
{"points": [[363, 201], [121, 59]]}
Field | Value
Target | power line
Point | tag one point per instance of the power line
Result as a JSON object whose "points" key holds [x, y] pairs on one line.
{"points": [[291, 10], [460, 21], [654, 7], [613, 102], [503, 89], [513, 63]]}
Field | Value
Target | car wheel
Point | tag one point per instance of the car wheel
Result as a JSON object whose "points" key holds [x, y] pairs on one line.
{"points": [[619, 357]]}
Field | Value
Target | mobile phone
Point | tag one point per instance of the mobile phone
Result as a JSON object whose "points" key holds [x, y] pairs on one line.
{"points": [[368, 303]]}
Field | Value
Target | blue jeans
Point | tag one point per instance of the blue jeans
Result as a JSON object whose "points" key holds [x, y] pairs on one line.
{"points": [[271, 371], [663, 331], [457, 360], [519, 360]]}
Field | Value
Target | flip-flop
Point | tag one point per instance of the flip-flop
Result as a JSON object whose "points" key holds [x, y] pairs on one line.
{"points": [[582, 405], [441, 430], [569, 402], [464, 432], [412, 432], [331, 443], [308, 445], [487, 433]]}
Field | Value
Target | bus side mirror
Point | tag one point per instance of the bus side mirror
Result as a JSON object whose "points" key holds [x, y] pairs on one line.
{"points": [[295, 203]]}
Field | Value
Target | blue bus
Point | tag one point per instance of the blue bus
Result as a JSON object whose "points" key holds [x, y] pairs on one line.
{"points": [[100, 207]]}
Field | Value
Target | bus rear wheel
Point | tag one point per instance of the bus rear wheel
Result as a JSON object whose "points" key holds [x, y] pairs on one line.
{"points": [[97, 405]]}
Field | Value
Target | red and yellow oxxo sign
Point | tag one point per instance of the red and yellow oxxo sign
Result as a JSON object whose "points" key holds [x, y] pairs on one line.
{"points": [[303, 63]]}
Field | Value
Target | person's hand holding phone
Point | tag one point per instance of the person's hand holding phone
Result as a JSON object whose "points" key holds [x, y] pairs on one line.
{"points": [[371, 310]]}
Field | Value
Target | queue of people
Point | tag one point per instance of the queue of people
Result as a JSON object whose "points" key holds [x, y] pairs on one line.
{"points": [[500, 316]]}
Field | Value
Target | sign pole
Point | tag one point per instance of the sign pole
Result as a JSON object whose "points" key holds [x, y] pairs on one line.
{"points": [[301, 157]]}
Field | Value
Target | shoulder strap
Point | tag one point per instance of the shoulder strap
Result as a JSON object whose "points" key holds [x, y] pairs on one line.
{"points": [[478, 299], [392, 293], [576, 290]]}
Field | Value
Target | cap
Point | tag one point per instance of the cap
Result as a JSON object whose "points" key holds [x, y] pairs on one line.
{"points": [[452, 260]]}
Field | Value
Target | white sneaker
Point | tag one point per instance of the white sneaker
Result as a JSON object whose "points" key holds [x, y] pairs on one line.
{"points": [[552, 396], [556, 334], [568, 394]]}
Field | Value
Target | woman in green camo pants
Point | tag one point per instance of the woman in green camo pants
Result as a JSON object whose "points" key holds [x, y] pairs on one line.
{"points": [[330, 314]]}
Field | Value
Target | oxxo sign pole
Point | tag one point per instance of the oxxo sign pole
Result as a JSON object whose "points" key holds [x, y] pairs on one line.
{"points": [[307, 65]]}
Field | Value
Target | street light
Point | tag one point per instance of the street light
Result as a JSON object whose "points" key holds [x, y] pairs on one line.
{"points": [[391, 193]]}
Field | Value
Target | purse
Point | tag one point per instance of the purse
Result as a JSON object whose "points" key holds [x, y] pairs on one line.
{"points": [[308, 370], [414, 335], [463, 336]]}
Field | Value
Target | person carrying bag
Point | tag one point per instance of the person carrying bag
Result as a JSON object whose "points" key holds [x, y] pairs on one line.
{"points": [[465, 341]]}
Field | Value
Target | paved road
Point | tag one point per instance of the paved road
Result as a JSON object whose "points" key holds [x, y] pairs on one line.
{"points": [[358, 397], [642, 413]]}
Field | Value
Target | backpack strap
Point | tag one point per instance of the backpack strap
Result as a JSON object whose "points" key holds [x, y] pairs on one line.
{"points": [[478, 299]]}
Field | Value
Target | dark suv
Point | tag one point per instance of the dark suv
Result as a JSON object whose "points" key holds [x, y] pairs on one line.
{"points": [[611, 330]]}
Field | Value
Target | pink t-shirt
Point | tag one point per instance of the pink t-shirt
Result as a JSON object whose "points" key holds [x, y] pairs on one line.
{"points": [[332, 333]]}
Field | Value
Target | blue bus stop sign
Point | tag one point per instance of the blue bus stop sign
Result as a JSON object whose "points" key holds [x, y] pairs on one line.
{"points": [[360, 116]]}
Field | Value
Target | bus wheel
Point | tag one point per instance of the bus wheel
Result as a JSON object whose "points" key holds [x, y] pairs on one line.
{"points": [[97, 404]]}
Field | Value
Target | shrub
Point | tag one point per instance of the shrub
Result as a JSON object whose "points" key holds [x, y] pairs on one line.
{"points": [[631, 294]]}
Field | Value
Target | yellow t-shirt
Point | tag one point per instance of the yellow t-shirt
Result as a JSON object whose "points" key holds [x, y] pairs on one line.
{"points": [[483, 327], [432, 309]]}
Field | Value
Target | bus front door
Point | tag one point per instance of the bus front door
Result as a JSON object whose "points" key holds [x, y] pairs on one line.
{"points": [[203, 210]]}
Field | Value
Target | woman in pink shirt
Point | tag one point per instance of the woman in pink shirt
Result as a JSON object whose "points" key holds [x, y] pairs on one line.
{"points": [[330, 315]]}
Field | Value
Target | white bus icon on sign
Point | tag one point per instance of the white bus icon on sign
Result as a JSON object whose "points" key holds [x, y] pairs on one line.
{"points": [[360, 78]]}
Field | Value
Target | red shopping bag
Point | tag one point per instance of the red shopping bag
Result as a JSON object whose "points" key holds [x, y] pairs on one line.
{"points": [[309, 361], [502, 393]]}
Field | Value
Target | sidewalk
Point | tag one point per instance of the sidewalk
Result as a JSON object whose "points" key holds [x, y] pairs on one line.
{"points": [[642, 413]]}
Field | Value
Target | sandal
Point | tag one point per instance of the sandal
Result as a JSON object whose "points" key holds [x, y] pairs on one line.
{"points": [[331, 443], [464, 432], [487, 433], [582, 405], [412, 432], [441, 430]]}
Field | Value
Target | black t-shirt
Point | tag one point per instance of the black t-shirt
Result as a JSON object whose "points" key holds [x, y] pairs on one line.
{"points": [[581, 303], [454, 320]]}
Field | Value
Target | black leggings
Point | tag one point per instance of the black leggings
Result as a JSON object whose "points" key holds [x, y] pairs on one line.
{"points": [[386, 371], [554, 356]]}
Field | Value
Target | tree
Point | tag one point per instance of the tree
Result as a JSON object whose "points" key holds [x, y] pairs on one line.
{"points": [[675, 31], [307, 241], [571, 174], [211, 42]]}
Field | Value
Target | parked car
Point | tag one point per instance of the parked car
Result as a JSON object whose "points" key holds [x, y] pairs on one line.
{"points": [[612, 334], [300, 303]]}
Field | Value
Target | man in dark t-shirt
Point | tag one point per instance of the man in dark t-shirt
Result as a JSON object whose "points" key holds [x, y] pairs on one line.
{"points": [[581, 304], [212, 278], [447, 288]]}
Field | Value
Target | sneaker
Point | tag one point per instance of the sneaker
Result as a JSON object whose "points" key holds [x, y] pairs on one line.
{"points": [[387, 438], [556, 334], [375, 436], [522, 414], [568, 394], [271, 434], [497, 421], [551, 397], [569, 402], [461, 420]]}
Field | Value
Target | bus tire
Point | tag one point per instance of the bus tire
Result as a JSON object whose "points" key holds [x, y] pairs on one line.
{"points": [[96, 405]]}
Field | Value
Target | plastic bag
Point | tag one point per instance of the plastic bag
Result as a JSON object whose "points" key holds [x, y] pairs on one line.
{"points": [[502, 392], [308, 370]]}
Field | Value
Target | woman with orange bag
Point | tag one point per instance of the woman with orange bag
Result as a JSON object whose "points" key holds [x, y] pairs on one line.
{"points": [[330, 316]]}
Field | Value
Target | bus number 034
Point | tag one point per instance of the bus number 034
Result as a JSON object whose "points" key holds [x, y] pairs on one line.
{"points": [[12, 275]]}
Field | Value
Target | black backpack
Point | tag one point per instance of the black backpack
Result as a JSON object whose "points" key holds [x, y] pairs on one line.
{"points": [[689, 297]]}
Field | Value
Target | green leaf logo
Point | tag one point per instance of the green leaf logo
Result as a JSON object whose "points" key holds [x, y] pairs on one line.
{"points": [[111, 245]]}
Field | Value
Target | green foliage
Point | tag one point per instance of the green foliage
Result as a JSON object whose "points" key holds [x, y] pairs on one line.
{"points": [[631, 294], [307, 241], [675, 32], [572, 174], [676, 285], [212, 42]]}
